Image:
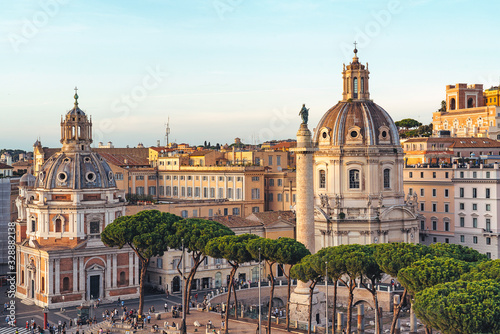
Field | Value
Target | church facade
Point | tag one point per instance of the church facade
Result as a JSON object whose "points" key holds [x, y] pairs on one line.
{"points": [[61, 260], [358, 171]]}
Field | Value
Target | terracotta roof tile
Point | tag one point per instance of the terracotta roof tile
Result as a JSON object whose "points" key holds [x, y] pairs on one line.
{"points": [[235, 221]]}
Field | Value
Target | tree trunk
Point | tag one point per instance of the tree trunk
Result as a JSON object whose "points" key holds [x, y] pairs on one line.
{"points": [[397, 309], [289, 288], [144, 268], [228, 300], [428, 330], [352, 285], [235, 301], [311, 292], [197, 261], [271, 296], [334, 308], [378, 318]]}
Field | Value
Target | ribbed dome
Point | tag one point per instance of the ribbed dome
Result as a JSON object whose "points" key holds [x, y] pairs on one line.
{"points": [[356, 123], [75, 170]]}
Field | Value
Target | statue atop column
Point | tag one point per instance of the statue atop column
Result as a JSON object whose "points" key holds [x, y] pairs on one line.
{"points": [[304, 113]]}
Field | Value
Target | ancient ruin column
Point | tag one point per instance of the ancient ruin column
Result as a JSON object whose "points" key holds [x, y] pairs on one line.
{"points": [[361, 318]]}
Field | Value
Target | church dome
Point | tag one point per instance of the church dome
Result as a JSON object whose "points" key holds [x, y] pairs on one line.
{"points": [[71, 170], [356, 120], [27, 180], [357, 123], [75, 166]]}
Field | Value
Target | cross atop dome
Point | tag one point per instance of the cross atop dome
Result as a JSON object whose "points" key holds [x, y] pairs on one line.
{"points": [[76, 96]]}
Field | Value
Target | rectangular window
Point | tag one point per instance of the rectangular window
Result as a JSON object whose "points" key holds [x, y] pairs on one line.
{"points": [[270, 160], [474, 222], [255, 178], [447, 226], [434, 225], [159, 262], [278, 160], [446, 207], [294, 198], [422, 206], [474, 174], [189, 191], [139, 190], [220, 193], [183, 191], [462, 206], [236, 211], [168, 190], [255, 209], [421, 175], [119, 176], [410, 191], [474, 206], [139, 177], [205, 192], [151, 177], [488, 224], [474, 192], [474, 239], [462, 238], [280, 182], [176, 191], [238, 193], [255, 193], [210, 212], [212, 192], [322, 179], [488, 207], [422, 225], [230, 193], [446, 175], [271, 182], [195, 213], [280, 197], [197, 192], [433, 175], [462, 221], [161, 189], [461, 175], [488, 241], [446, 193], [184, 213], [488, 193], [488, 255], [422, 192], [447, 240], [354, 179], [434, 192], [488, 173], [462, 192], [411, 175], [270, 197], [434, 207], [152, 190], [190, 177]]}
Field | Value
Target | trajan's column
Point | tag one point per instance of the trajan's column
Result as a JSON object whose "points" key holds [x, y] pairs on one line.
{"points": [[299, 300]]}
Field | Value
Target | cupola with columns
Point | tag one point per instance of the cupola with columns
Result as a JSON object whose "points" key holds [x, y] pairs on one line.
{"points": [[76, 129], [356, 79]]}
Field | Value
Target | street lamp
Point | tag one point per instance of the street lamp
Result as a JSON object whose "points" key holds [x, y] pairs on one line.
{"points": [[62, 307], [260, 304], [326, 302], [183, 289]]}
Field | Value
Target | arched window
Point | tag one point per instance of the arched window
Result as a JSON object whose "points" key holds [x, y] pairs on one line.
{"points": [[452, 104], [470, 103], [355, 87], [354, 179], [362, 88], [322, 179], [387, 178], [122, 278], [65, 286], [43, 285], [58, 225]]}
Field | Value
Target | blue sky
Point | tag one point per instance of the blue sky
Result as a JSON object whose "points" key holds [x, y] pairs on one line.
{"points": [[222, 69]]}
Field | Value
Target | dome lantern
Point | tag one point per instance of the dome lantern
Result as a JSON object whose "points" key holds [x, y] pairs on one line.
{"points": [[355, 78], [76, 129]]}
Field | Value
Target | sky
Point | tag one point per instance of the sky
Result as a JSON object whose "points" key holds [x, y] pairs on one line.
{"points": [[221, 69]]}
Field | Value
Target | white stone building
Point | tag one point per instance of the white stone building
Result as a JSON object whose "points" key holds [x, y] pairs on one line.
{"points": [[477, 208], [358, 171]]}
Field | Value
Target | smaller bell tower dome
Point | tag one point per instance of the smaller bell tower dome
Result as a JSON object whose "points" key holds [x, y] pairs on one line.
{"points": [[356, 78], [76, 129]]}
